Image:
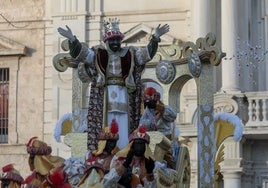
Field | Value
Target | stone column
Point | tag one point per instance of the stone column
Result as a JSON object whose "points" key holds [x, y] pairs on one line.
{"points": [[194, 162], [202, 18], [232, 179], [229, 38], [231, 166]]}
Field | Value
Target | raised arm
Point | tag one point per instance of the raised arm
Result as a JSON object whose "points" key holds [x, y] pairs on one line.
{"points": [[67, 33], [153, 45], [161, 30], [74, 44]]}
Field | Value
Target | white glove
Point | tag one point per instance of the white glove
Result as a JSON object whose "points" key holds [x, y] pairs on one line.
{"points": [[67, 33], [161, 30]]}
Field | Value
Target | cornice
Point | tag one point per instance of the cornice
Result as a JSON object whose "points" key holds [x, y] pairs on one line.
{"points": [[9, 47]]}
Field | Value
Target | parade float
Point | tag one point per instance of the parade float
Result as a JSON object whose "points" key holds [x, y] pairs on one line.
{"points": [[195, 60]]}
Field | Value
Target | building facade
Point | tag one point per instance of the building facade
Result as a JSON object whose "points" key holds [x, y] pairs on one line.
{"points": [[22, 69], [38, 95]]}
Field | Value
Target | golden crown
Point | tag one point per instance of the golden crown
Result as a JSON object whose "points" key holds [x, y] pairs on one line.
{"points": [[112, 30], [112, 24]]}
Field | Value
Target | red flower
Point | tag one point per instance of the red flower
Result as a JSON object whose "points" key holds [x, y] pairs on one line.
{"points": [[142, 129]]}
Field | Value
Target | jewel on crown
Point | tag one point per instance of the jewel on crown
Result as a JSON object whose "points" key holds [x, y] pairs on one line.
{"points": [[112, 30], [111, 25]]}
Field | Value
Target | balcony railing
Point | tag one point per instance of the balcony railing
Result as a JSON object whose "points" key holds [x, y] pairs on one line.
{"points": [[250, 107], [257, 108]]}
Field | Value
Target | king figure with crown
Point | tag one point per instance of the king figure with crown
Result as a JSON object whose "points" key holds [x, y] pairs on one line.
{"points": [[115, 76]]}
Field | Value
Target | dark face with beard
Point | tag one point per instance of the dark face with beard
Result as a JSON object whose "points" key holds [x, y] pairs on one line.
{"points": [[150, 104], [138, 147], [110, 145], [31, 162], [5, 183], [114, 44]]}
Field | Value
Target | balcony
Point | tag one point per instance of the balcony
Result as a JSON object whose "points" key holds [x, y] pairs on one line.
{"points": [[256, 125], [250, 107]]}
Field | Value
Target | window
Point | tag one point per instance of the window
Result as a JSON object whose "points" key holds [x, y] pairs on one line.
{"points": [[4, 95]]}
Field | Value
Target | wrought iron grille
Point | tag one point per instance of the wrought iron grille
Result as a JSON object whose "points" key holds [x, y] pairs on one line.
{"points": [[4, 95]]}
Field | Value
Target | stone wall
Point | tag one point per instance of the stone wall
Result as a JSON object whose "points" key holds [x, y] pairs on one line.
{"points": [[22, 28]]}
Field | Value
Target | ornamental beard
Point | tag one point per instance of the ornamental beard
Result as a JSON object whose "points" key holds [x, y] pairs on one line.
{"points": [[5, 183], [31, 162], [110, 145], [150, 104], [138, 147], [114, 44]]}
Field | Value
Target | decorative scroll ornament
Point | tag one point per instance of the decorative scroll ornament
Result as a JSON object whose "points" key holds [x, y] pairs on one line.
{"points": [[227, 105], [206, 44], [62, 61], [165, 71], [195, 65], [172, 53]]}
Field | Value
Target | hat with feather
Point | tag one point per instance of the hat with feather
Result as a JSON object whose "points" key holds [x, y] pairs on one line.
{"points": [[43, 161], [140, 134], [11, 174], [108, 133]]}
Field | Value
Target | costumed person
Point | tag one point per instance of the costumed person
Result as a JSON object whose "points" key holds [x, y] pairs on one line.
{"points": [[156, 115], [98, 162], [57, 178], [153, 109], [10, 177], [40, 162], [115, 76], [160, 117], [166, 123], [133, 166]]}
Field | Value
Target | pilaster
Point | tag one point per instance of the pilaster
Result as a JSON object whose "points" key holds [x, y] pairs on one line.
{"points": [[231, 166]]}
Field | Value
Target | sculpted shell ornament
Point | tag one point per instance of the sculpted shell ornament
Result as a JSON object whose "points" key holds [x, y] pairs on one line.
{"points": [[165, 71]]}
